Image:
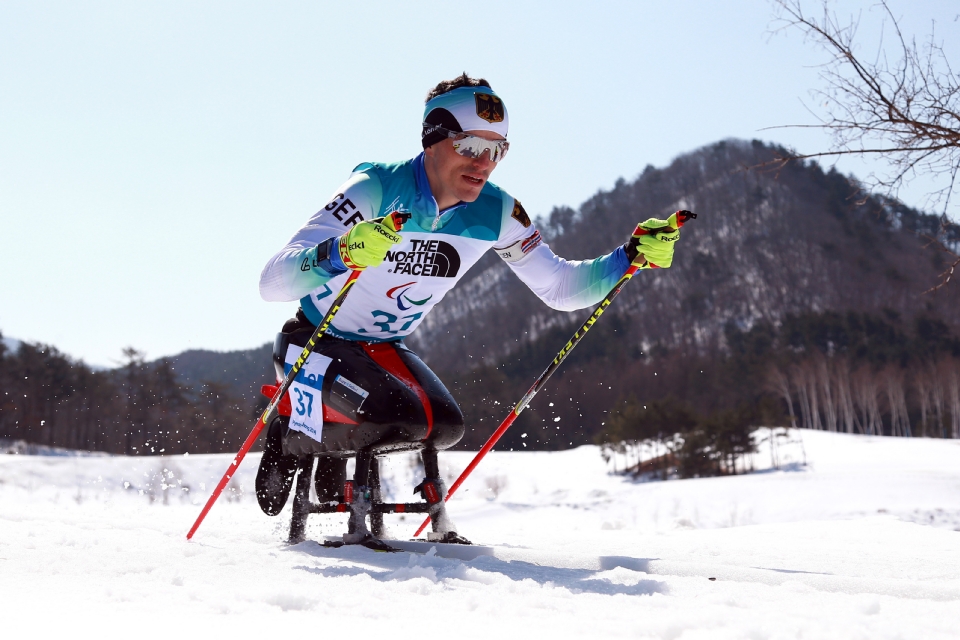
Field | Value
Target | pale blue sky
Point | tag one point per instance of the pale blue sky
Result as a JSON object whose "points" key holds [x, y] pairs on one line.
{"points": [[154, 155]]}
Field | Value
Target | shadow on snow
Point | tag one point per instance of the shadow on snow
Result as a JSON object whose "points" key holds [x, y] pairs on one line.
{"points": [[385, 567]]}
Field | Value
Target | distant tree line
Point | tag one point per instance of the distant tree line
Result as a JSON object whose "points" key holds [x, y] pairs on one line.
{"points": [[140, 408], [858, 374], [850, 373], [873, 373], [694, 407]]}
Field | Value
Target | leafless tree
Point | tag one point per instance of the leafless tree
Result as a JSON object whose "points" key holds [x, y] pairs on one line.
{"points": [[904, 107], [952, 382], [923, 385], [896, 402], [799, 374], [822, 372], [937, 397], [810, 378], [777, 383], [865, 391], [848, 414]]}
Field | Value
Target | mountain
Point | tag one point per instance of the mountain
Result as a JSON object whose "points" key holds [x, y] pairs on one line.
{"points": [[767, 243], [243, 371], [773, 248]]}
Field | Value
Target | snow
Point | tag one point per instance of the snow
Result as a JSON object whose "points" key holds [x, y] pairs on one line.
{"points": [[861, 542]]}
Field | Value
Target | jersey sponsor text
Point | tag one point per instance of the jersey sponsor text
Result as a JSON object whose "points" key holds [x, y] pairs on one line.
{"points": [[434, 258]]}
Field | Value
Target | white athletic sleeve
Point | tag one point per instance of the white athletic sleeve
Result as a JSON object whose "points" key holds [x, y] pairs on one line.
{"points": [[294, 271], [565, 285]]}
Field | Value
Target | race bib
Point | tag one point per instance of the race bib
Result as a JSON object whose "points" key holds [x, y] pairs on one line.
{"points": [[306, 415]]}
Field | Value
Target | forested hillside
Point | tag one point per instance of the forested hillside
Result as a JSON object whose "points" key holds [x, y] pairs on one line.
{"points": [[770, 252], [792, 297], [141, 408], [767, 243]]}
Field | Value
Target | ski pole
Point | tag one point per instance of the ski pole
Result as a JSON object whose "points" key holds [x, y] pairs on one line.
{"points": [[675, 221], [397, 219]]}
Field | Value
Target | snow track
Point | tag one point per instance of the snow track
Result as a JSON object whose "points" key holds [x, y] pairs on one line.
{"points": [[835, 549], [711, 571]]}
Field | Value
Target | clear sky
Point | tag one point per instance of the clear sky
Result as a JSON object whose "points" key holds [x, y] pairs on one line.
{"points": [[154, 155]]}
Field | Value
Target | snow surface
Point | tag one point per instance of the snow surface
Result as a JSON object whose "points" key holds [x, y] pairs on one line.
{"points": [[861, 542]]}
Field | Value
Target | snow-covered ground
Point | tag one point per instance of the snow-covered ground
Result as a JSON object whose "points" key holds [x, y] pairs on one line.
{"points": [[861, 542]]}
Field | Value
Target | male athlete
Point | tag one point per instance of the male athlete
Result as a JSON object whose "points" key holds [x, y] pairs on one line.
{"points": [[363, 392]]}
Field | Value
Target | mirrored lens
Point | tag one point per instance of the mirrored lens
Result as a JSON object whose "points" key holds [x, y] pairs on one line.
{"points": [[475, 146]]}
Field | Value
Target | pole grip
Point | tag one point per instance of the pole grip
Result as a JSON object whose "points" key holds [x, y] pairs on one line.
{"points": [[397, 219], [676, 220]]}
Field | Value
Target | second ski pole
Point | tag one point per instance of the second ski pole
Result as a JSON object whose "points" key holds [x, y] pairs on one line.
{"points": [[675, 221]]}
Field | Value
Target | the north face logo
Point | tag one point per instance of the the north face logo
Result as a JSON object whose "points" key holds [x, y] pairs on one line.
{"points": [[434, 258]]}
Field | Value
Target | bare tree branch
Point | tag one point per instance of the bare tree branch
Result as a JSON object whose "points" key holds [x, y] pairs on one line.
{"points": [[939, 245], [904, 108]]}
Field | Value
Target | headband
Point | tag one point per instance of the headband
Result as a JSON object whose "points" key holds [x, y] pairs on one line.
{"points": [[464, 109]]}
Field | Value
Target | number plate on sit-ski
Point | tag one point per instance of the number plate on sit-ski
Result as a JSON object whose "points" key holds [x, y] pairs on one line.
{"points": [[306, 415]]}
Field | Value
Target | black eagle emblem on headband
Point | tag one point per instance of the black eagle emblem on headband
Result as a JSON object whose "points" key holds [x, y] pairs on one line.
{"points": [[490, 108]]}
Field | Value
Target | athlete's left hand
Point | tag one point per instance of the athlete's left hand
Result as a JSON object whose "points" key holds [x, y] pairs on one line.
{"points": [[654, 239]]}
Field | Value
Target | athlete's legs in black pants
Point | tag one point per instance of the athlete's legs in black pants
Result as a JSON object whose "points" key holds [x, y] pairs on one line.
{"points": [[407, 407]]}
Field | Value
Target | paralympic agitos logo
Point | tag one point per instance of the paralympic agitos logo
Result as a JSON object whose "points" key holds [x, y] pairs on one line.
{"points": [[399, 293], [434, 258]]}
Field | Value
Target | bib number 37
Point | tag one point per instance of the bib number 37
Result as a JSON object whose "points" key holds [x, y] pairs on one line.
{"points": [[305, 392], [388, 320], [304, 403]]}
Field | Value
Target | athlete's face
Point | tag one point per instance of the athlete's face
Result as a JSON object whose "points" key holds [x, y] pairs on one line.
{"points": [[454, 178]]}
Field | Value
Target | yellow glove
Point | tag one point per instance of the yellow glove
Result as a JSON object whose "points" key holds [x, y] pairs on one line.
{"points": [[367, 243], [653, 241]]}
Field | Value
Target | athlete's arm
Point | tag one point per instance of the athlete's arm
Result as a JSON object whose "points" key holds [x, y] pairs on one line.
{"points": [[562, 284], [310, 258]]}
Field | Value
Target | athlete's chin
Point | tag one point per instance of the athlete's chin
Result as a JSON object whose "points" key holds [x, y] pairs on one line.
{"points": [[470, 189]]}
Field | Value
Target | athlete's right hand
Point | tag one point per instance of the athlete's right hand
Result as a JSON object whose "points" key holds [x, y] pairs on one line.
{"points": [[367, 243]]}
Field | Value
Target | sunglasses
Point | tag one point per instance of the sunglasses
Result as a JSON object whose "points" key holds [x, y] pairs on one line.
{"points": [[474, 146]]}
